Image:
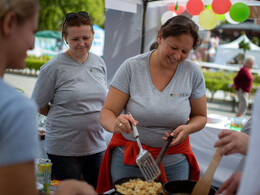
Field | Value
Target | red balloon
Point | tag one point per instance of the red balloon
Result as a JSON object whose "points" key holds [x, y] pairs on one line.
{"points": [[221, 6], [180, 10], [194, 7]]}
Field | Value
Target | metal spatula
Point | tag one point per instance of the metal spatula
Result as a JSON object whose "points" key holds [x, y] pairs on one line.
{"points": [[202, 187], [145, 161]]}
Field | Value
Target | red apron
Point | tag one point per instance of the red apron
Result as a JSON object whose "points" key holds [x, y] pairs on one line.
{"points": [[130, 153]]}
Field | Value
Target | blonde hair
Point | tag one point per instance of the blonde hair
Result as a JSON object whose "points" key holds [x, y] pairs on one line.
{"points": [[23, 8]]}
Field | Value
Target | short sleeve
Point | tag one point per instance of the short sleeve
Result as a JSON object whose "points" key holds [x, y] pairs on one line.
{"points": [[19, 137], [44, 88], [199, 87], [122, 77]]}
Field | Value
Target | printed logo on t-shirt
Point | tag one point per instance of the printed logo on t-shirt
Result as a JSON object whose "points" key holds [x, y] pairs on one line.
{"points": [[179, 94], [96, 70]]}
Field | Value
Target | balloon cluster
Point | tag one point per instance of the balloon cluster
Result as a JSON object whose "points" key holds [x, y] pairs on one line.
{"points": [[209, 16]]}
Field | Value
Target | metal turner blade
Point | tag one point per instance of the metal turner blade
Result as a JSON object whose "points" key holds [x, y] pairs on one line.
{"points": [[145, 161]]}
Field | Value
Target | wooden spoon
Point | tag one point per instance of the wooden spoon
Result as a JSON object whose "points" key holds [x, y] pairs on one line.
{"points": [[202, 187]]}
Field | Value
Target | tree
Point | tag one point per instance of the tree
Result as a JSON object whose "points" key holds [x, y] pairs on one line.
{"points": [[255, 40], [53, 12], [245, 46]]}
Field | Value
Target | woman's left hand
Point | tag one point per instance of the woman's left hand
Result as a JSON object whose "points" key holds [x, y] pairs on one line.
{"points": [[179, 134]]}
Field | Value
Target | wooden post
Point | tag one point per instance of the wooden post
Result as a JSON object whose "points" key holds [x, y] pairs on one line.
{"points": [[254, 12]]}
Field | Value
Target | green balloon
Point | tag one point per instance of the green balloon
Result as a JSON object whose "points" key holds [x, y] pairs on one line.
{"points": [[209, 7], [221, 17], [239, 12]]}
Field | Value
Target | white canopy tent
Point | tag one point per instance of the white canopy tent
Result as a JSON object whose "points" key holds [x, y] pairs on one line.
{"points": [[228, 51]]}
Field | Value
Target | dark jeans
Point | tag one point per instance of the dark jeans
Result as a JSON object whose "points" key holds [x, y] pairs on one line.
{"points": [[71, 167]]}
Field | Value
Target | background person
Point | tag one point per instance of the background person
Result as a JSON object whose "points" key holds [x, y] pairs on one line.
{"points": [[234, 142], [161, 89], [250, 183], [243, 84], [70, 91], [18, 129]]}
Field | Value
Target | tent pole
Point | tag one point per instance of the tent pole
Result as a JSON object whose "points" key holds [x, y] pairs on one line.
{"points": [[143, 25], [145, 2]]}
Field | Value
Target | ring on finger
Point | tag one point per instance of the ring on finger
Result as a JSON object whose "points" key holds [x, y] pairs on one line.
{"points": [[120, 125]]}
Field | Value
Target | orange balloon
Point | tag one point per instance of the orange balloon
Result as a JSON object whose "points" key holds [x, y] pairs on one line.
{"points": [[221, 6], [194, 7]]}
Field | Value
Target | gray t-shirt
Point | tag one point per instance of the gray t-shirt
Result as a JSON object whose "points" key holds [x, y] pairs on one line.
{"points": [[76, 93], [158, 111], [18, 127]]}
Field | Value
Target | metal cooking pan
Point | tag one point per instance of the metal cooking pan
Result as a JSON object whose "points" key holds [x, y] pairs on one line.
{"points": [[126, 179], [182, 186]]}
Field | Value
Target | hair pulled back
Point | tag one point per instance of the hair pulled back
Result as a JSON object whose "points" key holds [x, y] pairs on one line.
{"points": [[77, 21], [179, 25]]}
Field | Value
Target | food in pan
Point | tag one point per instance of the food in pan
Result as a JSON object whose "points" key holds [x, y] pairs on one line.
{"points": [[139, 187]]}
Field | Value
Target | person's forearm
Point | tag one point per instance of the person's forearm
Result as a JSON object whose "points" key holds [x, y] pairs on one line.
{"points": [[196, 123], [244, 143], [106, 119], [44, 111], [20, 174]]}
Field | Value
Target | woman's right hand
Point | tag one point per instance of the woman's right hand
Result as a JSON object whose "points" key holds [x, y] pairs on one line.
{"points": [[123, 124]]}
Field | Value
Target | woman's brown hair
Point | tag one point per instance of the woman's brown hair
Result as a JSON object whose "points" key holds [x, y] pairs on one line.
{"points": [[76, 19], [178, 25]]}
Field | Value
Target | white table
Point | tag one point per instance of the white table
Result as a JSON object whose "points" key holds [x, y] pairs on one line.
{"points": [[202, 146]]}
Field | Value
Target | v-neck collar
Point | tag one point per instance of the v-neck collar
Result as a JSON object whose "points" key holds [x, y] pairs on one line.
{"points": [[75, 61]]}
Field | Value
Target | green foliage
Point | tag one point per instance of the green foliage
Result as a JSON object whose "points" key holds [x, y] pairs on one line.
{"points": [[245, 46], [255, 40], [213, 85], [222, 80], [35, 63], [227, 86], [43, 57], [53, 12], [256, 78]]}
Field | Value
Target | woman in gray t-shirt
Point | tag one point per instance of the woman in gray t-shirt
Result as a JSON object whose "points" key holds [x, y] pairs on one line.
{"points": [[165, 93], [71, 90]]}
